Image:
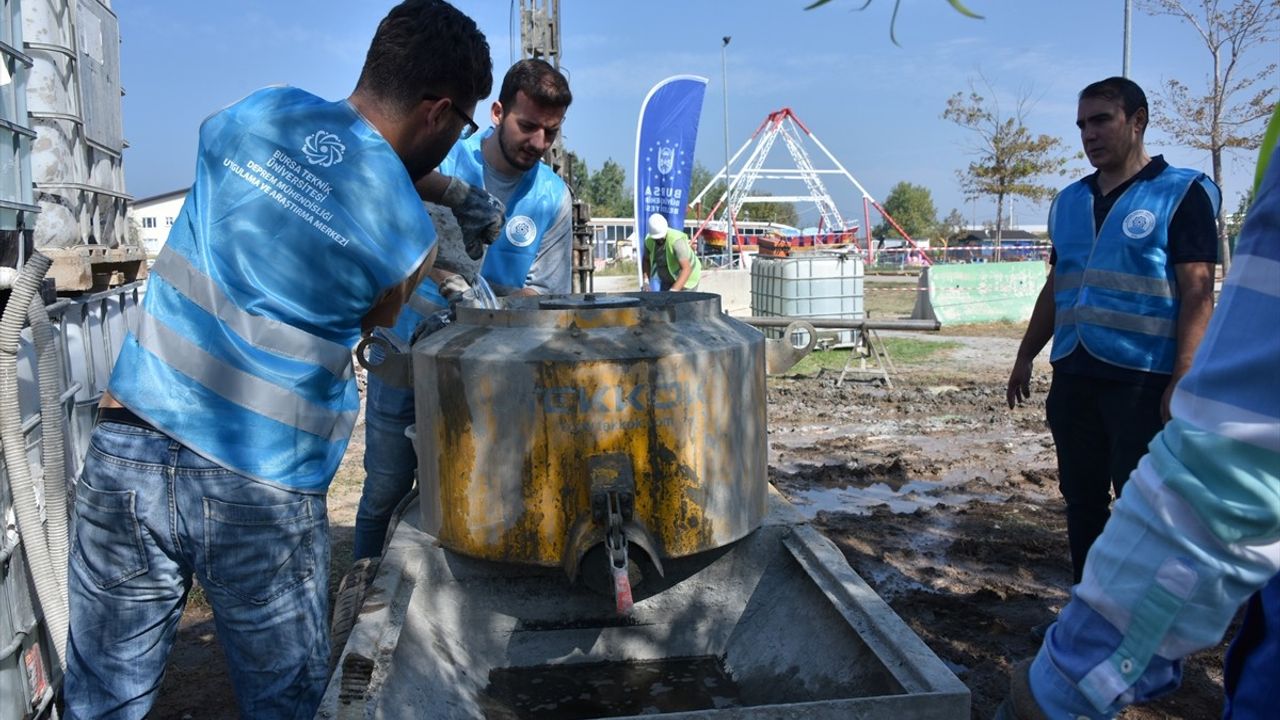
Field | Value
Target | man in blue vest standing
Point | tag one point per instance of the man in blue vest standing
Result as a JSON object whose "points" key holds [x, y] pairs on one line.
{"points": [[1197, 532], [232, 401], [1129, 297], [532, 255]]}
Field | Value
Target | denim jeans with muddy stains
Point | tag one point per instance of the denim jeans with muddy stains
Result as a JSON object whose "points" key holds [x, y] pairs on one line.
{"points": [[150, 514]]}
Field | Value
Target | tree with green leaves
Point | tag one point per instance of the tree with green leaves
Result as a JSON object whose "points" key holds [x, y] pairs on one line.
{"points": [[1008, 157], [782, 213], [952, 225], [579, 176], [698, 179], [774, 212], [1235, 221], [608, 193], [911, 206], [1231, 111]]}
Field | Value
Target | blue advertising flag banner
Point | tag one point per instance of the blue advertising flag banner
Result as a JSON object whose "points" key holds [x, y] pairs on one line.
{"points": [[665, 138]]}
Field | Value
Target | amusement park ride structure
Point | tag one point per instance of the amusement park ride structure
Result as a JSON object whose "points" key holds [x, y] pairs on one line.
{"points": [[833, 229]]}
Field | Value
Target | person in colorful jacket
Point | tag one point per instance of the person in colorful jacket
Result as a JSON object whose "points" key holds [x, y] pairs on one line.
{"points": [[232, 401], [669, 258], [532, 255], [1197, 531], [1130, 294]]}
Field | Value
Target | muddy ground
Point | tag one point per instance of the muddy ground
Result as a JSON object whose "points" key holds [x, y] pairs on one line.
{"points": [[947, 504], [938, 495]]}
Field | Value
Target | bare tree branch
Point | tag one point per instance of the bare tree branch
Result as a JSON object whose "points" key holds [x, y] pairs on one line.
{"points": [[1223, 118], [1008, 158]]}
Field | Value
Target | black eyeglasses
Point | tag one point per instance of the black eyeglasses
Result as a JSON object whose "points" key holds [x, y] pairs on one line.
{"points": [[471, 129]]}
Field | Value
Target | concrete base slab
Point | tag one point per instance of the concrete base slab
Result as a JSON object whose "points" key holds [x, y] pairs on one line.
{"points": [[793, 627]]}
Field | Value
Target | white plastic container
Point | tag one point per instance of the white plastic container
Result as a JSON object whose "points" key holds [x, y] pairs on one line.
{"points": [[809, 284]]}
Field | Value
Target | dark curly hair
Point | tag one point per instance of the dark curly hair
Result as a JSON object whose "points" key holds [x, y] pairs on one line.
{"points": [[426, 46], [537, 79]]}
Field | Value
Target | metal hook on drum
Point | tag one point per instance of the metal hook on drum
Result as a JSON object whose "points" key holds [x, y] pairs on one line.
{"points": [[781, 354], [395, 367]]}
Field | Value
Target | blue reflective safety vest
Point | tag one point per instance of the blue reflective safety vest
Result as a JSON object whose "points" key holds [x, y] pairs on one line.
{"points": [[300, 218], [1115, 292], [531, 211]]}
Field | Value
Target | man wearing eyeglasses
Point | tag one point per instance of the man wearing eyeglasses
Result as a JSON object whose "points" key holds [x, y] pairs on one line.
{"points": [[532, 255], [233, 397]]}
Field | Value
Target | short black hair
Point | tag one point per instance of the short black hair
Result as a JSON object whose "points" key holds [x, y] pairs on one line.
{"points": [[426, 47], [537, 79], [1121, 89]]}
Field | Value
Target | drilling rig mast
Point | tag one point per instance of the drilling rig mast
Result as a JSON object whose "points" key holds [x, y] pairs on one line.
{"points": [[540, 39]]}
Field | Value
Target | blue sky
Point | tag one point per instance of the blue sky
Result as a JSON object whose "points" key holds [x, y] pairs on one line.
{"points": [[877, 107]]}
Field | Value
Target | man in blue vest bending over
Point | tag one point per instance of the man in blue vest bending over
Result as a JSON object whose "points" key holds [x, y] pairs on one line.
{"points": [[532, 255], [1129, 297], [233, 399]]}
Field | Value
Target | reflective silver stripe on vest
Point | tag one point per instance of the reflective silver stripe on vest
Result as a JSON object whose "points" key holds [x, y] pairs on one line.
{"points": [[1066, 281], [1110, 280], [253, 393], [1124, 282], [1259, 274], [263, 332], [1117, 320], [423, 306]]}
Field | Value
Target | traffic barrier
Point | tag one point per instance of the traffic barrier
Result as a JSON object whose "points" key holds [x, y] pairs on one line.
{"points": [[980, 292]]}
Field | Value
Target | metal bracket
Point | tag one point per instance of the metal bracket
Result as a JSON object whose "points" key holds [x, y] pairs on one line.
{"points": [[393, 367], [780, 355]]}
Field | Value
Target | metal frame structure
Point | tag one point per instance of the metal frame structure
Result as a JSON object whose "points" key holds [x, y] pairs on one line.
{"points": [[786, 125]]}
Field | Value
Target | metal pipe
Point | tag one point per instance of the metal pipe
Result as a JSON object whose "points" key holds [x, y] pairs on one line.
{"points": [[866, 222], [843, 323], [724, 81]]}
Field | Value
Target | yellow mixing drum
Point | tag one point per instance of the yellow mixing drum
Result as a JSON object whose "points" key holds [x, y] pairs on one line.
{"points": [[556, 424]]}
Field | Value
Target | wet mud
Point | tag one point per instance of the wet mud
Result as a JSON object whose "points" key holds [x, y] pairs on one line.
{"points": [[946, 502]]}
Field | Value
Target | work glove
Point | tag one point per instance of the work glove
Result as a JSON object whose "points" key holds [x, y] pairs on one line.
{"points": [[479, 214], [453, 287], [1021, 704], [432, 323]]}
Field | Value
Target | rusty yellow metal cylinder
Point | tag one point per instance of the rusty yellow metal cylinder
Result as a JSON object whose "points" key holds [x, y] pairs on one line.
{"points": [[515, 407]]}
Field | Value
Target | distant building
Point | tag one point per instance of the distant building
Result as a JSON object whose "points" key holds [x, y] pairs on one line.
{"points": [[986, 237], [154, 216], [1015, 244]]}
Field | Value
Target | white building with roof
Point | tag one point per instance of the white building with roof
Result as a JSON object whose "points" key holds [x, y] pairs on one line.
{"points": [[154, 217]]}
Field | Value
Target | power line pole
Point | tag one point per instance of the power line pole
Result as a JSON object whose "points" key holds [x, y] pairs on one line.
{"points": [[1128, 30], [724, 80]]}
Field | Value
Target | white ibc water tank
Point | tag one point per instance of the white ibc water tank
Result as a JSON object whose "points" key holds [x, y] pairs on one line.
{"points": [[809, 284], [73, 97], [16, 135]]}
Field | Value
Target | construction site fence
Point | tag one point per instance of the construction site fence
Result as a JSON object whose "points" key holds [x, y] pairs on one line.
{"points": [[614, 241], [902, 258]]}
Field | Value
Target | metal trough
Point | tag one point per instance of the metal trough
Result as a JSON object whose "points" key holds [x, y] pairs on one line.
{"points": [[776, 625]]}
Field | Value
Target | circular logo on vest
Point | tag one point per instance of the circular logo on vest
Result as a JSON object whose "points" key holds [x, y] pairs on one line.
{"points": [[521, 231], [1139, 224], [323, 148]]}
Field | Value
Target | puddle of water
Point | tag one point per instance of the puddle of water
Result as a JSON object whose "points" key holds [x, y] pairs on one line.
{"points": [[909, 498], [609, 689]]}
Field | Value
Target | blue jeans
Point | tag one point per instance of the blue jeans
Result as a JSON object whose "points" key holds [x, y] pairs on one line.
{"points": [[1253, 661], [150, 513], [389, 463]]}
